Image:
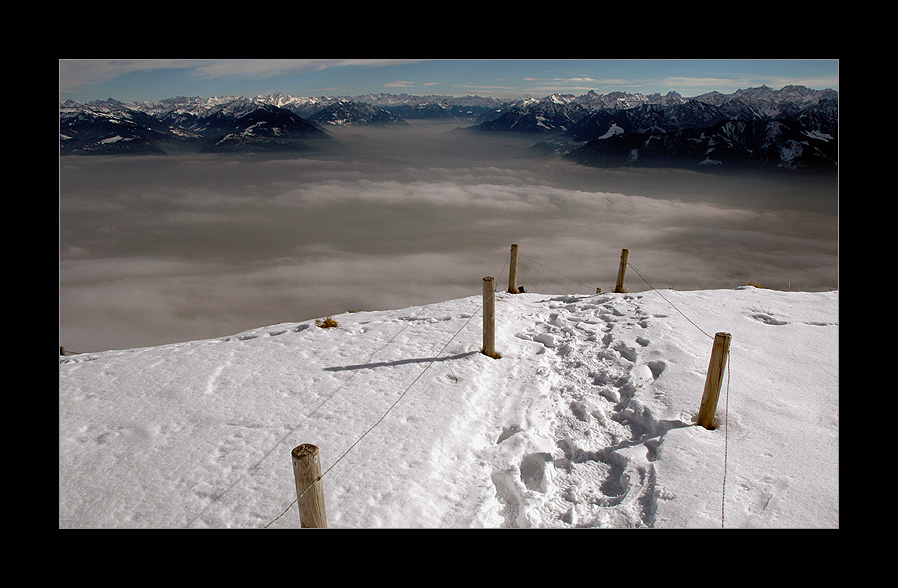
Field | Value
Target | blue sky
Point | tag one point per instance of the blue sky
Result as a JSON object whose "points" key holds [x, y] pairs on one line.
{"points": [[138, 80]]}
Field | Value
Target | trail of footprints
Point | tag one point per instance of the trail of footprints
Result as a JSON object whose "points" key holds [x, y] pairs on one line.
{"points": [[600, 473]]}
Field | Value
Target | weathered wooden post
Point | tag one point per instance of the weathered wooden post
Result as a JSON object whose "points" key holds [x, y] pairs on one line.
{"points": [[624, 254], [309, 493], [513, 270], [719, 353], [489, 318]]}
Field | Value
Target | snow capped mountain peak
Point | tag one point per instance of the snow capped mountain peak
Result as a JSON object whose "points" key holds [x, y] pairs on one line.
{"points": [[155, 126], [560, 98]]}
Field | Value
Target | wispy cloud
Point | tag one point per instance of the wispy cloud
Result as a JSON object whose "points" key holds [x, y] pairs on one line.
{"points": [[582, 80], [578, 84], [77, 73], [267, 68], [487, 90], [702, 85], [400, 84]]}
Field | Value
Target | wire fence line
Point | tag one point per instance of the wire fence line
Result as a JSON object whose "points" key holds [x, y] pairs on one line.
{"points": [[630, 265], [726, 434], [728, 371], [552, 270], [295, 428], [346, 382], [726, 412], [64, 352], [393, 405], [443, 348]]}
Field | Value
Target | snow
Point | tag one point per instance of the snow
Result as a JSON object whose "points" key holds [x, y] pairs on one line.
{"points": [[586, 420], [815, 134], [614, 129]]}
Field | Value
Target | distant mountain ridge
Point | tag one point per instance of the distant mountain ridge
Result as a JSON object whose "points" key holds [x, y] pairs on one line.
{"points": [[180, 124], [791, 128]]}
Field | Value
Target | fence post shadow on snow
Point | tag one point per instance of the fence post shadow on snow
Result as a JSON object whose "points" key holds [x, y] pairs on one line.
{"points": [[309, 493]]}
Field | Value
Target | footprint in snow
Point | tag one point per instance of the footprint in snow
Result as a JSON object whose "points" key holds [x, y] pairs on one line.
{"points": [[767, 319]]}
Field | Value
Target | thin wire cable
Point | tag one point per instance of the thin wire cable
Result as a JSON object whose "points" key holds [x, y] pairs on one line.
{"points": [[552, 270], [294, 429], [668, 301], [429, 365], [507, 258], [370, 357], [409, 387], [726, 430], [726, 434], [371, 428]]}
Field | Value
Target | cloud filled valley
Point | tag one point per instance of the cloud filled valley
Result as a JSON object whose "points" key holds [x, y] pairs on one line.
{"points": [[156, 250]]}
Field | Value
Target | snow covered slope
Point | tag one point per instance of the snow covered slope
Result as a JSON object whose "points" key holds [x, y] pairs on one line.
{"points": [[587, 420]]}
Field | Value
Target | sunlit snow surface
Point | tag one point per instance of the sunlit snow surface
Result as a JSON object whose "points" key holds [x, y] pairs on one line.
{"points": [[587, 420]]}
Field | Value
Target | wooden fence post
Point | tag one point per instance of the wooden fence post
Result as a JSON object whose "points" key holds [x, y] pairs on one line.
{"points": [[513, 270], [489, 318], [719, 354], [624, 254], [309, 493]]}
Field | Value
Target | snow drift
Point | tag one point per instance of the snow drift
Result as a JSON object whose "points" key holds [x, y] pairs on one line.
{"points": [[587, 420]]}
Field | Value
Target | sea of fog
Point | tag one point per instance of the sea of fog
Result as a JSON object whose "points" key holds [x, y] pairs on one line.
{"points": [[156, 250]]}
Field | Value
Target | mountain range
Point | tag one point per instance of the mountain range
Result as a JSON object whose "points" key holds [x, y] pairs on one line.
{"points": [[791, 128]]}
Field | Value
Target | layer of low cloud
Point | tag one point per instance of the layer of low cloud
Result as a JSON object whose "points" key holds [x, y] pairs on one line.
{"points": [[161, 250]]}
